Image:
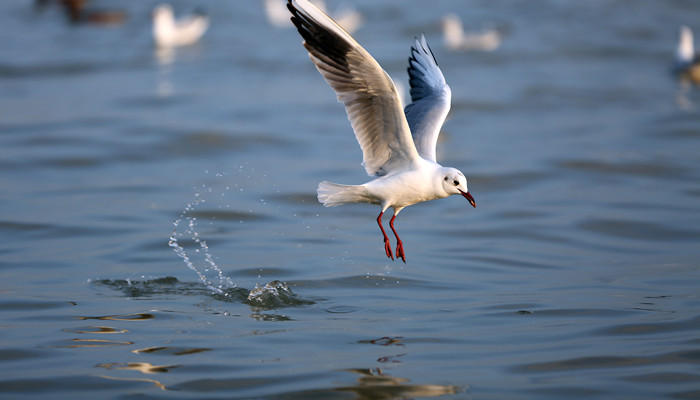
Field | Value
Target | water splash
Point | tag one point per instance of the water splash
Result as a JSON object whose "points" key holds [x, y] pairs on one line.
{"points": [[274, 295], [187, 243], [274, 289], [218, 283]]}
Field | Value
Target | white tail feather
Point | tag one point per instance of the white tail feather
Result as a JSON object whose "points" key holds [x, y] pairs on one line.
{"points": [[334, 194]]}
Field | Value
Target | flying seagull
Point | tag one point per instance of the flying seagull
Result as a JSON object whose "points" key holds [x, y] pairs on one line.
{"points": [[398, 145]]}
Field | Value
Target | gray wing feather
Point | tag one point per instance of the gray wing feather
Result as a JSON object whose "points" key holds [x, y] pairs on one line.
{"points": [[430, 96], [371, 101]]}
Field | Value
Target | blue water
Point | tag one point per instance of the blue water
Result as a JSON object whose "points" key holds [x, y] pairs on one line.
{"points": [[575, 277]]}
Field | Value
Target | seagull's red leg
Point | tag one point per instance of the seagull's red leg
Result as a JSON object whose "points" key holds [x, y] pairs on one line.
{"points": [[387, 245], [399, 243]]}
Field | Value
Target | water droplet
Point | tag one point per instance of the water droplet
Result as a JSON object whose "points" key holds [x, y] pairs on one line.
{"points": [[217, 283]]}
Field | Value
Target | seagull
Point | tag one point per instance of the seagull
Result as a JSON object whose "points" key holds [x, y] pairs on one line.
{"points": [[77, 12], [686, 63], [169, 32], [398, 145], [456, 39]]}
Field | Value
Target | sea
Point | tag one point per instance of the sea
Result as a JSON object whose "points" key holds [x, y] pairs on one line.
{"points": [[161, 236]]}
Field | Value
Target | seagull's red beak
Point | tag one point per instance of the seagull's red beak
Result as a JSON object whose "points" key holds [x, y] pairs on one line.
{"points": [[469, 197]]}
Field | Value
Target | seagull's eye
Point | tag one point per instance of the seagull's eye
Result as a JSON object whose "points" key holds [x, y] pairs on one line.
{"points": [[445, 179], [456, 182]]}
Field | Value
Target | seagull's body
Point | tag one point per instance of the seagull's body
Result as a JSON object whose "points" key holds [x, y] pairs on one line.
{"points": [[398, 145], [686, 63], [169, 32], [456, 39]]}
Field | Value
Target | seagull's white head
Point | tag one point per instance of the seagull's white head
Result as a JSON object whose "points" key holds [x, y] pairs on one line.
{"points": [[454, 182], [685, 52], [163, 14]]}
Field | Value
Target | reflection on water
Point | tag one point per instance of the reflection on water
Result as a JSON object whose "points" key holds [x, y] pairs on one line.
{"points": [[77, 343], [153, 381], [373, 383], [96, 329], [124, 317], [146, 368], [175, 351], [386, 341], [164, 82]]}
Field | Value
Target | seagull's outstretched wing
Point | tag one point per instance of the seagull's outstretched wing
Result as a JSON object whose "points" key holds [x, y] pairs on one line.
{"points": [[371, 101], [430, 96]]}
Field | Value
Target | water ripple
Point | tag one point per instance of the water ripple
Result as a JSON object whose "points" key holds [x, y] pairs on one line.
{"points": [[663, 169], [48, 70], [639, 230], [271, 296], [650, 328], [690, 357]]}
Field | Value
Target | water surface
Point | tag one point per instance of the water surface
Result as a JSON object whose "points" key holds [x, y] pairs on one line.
{"points": [[576, 276]]}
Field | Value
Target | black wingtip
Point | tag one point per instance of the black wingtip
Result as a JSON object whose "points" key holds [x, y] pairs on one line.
{"points": [[291, 8], [319, 38], [295, 13]]}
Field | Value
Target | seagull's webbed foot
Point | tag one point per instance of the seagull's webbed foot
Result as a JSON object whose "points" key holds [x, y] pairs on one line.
{"points": [[387, 244], [399, 244], [387, 248], [399, 252]]}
